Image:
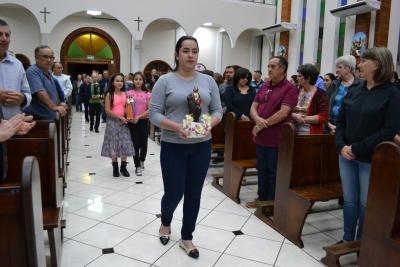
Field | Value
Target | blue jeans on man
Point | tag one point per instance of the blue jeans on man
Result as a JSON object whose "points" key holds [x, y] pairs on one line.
{"points": [[355, 176], [267, 161]]}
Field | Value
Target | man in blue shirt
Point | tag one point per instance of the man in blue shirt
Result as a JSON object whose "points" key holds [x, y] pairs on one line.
{"points": [[45, 102], [14, 88], [257, 81]]}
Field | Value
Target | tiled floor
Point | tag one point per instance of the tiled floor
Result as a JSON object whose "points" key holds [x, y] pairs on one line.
{"points": [[120, 213]]}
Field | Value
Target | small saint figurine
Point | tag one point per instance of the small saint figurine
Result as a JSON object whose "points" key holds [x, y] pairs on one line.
{"points": [[130, 108], [194, 104]]}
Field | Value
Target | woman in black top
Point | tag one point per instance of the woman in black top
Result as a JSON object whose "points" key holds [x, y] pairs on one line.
{"points": [[368, 116], [240, 96]]}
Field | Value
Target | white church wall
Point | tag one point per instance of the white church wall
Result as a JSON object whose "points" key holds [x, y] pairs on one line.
{"points": [[159, 43], [114, 28], [207, 39], [25, 33], [240, 54]]}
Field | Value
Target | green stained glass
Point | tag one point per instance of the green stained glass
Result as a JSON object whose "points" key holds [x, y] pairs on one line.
{"points": [[105, 53], [75, 51]]}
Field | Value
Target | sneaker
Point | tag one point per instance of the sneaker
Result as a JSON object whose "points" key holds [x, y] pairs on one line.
{"points": [[256, 203], [138, 171]]}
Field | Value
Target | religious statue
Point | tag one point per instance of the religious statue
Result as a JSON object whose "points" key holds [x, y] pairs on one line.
{"points": [[130, 107], [194, 104]]}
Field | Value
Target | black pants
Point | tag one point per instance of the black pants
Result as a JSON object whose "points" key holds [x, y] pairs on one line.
{"points": [[184, 168], [95, 110], [86, 105], [139, 134]]}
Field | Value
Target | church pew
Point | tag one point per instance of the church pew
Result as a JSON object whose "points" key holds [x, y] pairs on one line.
{"points": [[240, 155], [21, 226], [43, 145], [307, 172], [380, 245]]}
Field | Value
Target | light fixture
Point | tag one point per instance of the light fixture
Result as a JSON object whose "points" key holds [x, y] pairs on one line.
{"points": [[93, 12], [280, 27], [208, 24], [356, 8]]}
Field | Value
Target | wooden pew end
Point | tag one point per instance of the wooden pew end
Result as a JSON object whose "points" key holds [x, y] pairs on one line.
{"points": [[334, 252]]}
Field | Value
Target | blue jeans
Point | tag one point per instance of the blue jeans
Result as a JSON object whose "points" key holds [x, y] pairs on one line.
{"points": [[184, 168], [267, 161], [78, 103], [355, 176]]}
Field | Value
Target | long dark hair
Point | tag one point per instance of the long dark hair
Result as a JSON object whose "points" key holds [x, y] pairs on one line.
{"points": [[241, 73], [111, 89], [179, 45], [144, 88]]}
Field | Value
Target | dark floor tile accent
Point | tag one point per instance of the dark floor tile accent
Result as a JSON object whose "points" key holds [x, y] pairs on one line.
{"points": [[238, 232], [92, 173], [151, 154], [108, 250], [86, 145], [139, 182], [158, 215], [88, 157]]}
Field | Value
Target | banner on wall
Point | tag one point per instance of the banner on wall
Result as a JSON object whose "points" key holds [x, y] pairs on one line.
{"points": [[358, 44]]}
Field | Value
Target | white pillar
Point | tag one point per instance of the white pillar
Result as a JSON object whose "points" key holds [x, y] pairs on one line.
{"points": [[278, 20], [371, 34], [350, 31], [394, 31], [136, 55], [218, 51], [45, 38], [295, 37], [331, 38], [311, 31]]}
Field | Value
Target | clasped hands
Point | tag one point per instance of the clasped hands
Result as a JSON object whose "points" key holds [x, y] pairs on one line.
{"points": [[260, 124], [11, 98], [347, 153], [19, 124]]}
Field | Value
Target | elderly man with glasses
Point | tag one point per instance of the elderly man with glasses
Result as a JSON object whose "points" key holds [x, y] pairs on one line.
{"points": [[46, 101]]}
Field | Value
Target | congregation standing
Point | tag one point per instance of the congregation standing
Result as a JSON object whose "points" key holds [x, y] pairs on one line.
{"points": [[360, 109]]}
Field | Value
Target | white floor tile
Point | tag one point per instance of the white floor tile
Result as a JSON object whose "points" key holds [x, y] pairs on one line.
{"points": [[99, 210], [154, 227], [229, 206], [177, 257], [256, 227], [94, 192], [149, 205], [73, 203], [210, 202], [116, 260], [76, 224], [225, 221], [144, 189], [103, 235], [211, 238], [229, 261], [142, 247], [123, 199], [254, 248], [131, 219], [78, 254], [292, 256], [324, 221]]}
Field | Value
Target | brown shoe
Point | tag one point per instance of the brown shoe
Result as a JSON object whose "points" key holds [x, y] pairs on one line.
{"points": [[256, 203]]}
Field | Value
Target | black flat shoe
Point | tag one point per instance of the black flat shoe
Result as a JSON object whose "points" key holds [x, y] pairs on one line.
{"points": [[191, 252], [164, 239]]}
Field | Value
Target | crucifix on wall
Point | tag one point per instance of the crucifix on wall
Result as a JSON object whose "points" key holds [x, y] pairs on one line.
{"points": [[138, 20], [45, 12]]}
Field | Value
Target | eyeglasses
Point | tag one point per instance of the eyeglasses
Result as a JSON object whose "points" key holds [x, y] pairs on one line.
{"points": [[47, 57]]}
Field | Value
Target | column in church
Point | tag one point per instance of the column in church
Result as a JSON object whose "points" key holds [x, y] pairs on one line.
{"points": [[218, 52], [311, 33], [394, 31], [45, 38], [331, 38], [136, 55], [278, 20], [349, 31], [295, 37]]}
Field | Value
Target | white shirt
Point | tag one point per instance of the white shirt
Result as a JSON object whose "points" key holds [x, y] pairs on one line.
{"points": [[65, 83]]}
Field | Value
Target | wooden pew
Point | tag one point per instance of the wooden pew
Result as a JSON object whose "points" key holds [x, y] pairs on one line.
{"points": [[240, 155], [21, 227], [380, 244], [42, 144], [307, 172]]}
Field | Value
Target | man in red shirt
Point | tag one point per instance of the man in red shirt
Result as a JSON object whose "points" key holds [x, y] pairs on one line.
{"points": [[271, 108]]}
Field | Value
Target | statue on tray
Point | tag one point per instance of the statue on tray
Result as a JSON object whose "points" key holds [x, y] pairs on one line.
{"points": [[194, 104]]}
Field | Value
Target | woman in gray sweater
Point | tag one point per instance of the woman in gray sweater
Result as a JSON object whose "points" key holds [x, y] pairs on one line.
{"points": [[184, 161]]}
